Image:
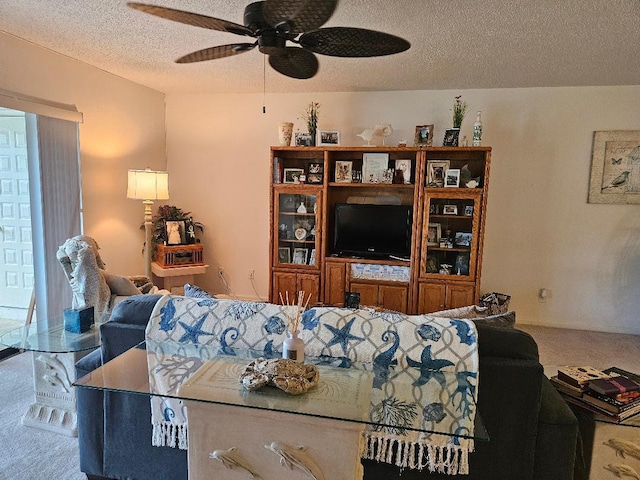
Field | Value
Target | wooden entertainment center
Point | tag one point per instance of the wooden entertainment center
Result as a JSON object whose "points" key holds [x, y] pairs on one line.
{"points": [[443, 263]]}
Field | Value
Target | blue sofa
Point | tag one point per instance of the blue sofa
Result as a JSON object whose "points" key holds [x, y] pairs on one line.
{"points": [[533, 432]]}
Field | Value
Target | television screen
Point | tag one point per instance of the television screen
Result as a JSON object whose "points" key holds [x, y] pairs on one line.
{"points": [[373, 231]]}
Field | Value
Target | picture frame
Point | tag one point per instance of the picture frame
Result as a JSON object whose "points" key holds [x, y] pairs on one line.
{"points": [[304, 139], [432, 264], [451, 137], [434, 233], [404, 166], [451, 178], [328, 137], [315, 173], [423, 136], [468, 210], [461, 264], [284, 255], [615, 178], [436, 170], [450, 210], [374, 167], [343, 171], [312, 257], [300, 255], [175, 232], [292, 175], [463, 239]]}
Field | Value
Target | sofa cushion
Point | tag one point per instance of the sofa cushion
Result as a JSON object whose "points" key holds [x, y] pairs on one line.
{"points": [[194, 291], [135, 310], [505, 342], [504, 320], [120, 285]]}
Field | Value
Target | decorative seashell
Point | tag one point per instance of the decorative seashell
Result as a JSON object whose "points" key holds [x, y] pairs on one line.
{"points": [[275, 325], [287, 375]]}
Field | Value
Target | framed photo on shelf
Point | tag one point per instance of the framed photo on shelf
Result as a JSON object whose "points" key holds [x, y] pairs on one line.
{"points": [[435, 172], [423, 136], [300, 255], [461, 265], [450, 210], [284, 255], [374, 167], [434, 232], [292, 175], [175, 232], [312, 257], [432, 264], [463, 239], [315, 173], [343, 171], [404, 166], [451, 177], [328, 137], [303, 139], [468, 210], [451, 137]]}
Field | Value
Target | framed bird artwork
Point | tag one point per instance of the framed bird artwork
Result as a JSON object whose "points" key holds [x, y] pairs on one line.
{"points": [[615, 167]]}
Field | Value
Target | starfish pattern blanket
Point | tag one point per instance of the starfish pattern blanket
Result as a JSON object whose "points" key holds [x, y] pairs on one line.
{"points": [[424, 370]]}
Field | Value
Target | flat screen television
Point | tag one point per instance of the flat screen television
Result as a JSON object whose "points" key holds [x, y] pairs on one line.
{"points": [[372, 231]]}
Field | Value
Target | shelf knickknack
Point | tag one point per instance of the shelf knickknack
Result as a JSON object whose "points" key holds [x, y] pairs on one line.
{"points": [[173, 226]]}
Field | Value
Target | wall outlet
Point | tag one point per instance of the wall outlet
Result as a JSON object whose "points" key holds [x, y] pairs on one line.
{"points": [[252, 274], [543, 295]]}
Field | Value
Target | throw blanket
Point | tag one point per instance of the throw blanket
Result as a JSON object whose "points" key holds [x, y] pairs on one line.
{"points": [[424, 369]]}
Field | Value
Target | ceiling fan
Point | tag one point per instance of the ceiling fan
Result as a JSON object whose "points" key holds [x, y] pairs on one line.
{"points": [[273, 23]]}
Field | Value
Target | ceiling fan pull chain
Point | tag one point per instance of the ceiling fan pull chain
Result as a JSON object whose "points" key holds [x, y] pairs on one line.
{"points": [[264, 85]]}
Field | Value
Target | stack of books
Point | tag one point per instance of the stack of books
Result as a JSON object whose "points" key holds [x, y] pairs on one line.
{"points": [[612, 393]]}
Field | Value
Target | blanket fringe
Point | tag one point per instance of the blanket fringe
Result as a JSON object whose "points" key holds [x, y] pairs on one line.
{"points": [[448, 459], [166, 434]]}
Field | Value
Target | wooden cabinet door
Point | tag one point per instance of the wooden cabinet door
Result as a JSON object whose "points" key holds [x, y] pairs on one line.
{"points": [[309, 284], [368, 293], [284, 283], [460, 296], [431, 297], [334, 284], [394, 298]]}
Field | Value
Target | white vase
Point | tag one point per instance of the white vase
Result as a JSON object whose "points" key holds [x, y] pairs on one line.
{"points": [[285, 130], [293, 347]]}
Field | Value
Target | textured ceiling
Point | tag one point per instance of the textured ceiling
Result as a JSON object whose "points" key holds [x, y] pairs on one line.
{"points": [[456, 44]]}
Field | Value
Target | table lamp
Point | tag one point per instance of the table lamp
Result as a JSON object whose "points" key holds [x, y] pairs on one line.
{"points": [[148, 185]]}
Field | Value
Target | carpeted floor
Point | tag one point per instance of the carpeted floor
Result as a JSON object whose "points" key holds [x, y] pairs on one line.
{"points": [[30, 453]]}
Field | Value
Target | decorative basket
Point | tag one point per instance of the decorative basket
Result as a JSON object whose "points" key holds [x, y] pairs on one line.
{"points": [[496, 303]]}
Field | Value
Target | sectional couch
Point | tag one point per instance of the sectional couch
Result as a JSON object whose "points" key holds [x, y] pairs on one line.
{"points": [[533, 434]]}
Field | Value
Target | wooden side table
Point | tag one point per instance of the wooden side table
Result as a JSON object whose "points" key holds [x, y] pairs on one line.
{"points": [[174, 278]]}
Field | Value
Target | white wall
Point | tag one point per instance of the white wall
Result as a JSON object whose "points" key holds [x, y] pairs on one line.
{"points": [[123, 128], [541, 232]]}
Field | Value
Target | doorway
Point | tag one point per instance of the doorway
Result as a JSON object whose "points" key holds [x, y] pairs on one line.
{"points": [[16, 247]]}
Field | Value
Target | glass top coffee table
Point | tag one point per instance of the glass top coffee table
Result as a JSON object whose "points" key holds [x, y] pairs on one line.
{"points": [[55, 352], [224, 418]]}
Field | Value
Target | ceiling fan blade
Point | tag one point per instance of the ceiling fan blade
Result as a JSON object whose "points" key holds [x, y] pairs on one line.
{"points": [[192, 18], [298, 16], [214, 53], [295, 63], [352, 42]]}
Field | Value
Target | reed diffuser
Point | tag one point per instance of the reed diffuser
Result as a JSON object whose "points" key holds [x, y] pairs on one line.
{"points": [[293, 347]]}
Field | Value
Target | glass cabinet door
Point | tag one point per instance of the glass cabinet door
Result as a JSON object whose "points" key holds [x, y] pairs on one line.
{"points": [[450, 241], [297, 220]]}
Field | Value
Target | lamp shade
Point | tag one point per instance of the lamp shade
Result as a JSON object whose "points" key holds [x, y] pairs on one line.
{"points": [[148, 185]]}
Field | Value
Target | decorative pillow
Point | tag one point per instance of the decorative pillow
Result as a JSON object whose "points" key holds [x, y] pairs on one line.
{"points": [[120, 285], [504, 320], [194, 291], [470, 312]]}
